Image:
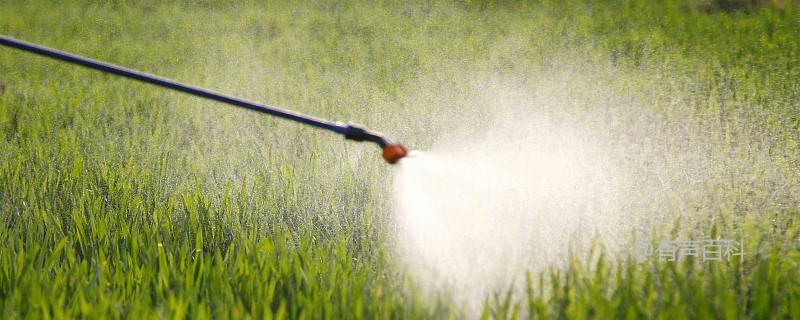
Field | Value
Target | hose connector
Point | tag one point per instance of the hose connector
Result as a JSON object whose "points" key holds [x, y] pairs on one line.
{"points": [[392, 152], [357, 133]]}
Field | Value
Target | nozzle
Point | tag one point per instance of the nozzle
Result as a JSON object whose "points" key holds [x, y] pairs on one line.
{"points": [[391, 152], [394, 152]]}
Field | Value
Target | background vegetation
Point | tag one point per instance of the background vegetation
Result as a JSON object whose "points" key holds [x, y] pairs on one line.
{"points": [[122, 200]]}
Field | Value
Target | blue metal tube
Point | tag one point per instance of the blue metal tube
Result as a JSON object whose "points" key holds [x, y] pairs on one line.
{"points": [[350, 131]]}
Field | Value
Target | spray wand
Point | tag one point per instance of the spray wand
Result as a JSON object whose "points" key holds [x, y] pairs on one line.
{"points": [[392, 152]]}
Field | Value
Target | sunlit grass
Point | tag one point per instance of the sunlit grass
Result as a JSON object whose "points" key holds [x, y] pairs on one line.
{"points": [[122, 200]]}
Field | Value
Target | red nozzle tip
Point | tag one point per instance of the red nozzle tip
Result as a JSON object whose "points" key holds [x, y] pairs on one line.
{"points": [[394, 152]]}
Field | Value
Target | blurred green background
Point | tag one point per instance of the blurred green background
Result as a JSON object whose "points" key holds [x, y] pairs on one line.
{"points": [[121, 200]]}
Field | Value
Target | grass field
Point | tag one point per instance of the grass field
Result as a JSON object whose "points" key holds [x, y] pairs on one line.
{"points": [[121, 200]]}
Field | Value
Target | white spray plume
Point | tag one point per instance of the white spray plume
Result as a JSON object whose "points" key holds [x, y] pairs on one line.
{"points": [[481, 208]]}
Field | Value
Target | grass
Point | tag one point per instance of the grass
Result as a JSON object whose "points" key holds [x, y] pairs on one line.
{"points": [[119, 200]]}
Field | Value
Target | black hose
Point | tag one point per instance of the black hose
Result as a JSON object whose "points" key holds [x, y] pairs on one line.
{"points": [[350, 131]]}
